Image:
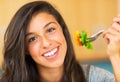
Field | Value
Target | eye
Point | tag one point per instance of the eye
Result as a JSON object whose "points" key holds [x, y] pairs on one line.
{"points": [[32, 39], [52, 29]]}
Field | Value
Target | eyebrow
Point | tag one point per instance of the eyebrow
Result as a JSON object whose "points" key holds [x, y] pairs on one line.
{"points": [[27, 34]]}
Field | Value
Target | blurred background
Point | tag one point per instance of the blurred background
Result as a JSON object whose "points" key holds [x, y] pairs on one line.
{"points": [[88, 15]]}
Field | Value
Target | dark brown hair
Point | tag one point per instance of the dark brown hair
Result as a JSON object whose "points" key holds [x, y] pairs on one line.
{"points": [[19, 67]]}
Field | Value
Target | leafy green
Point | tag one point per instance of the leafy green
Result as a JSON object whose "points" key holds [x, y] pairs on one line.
{"points": [[85, 40]]}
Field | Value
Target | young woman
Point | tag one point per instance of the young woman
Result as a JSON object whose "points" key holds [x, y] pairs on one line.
{"points": [[38, 48]]}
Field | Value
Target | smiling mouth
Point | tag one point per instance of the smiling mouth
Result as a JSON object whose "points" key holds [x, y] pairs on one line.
{"points": [[51, 53]]}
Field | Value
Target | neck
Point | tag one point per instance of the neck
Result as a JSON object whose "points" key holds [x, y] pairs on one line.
{"points": [[50, 74]]}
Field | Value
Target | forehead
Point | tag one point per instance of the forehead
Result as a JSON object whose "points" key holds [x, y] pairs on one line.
{"points": [[40, 20]]}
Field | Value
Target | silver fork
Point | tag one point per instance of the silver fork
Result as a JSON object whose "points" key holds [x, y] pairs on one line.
{"points": [[95, 36]]}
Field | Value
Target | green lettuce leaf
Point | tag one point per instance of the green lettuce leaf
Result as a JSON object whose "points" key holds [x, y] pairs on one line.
{"points": [[85, 40]]}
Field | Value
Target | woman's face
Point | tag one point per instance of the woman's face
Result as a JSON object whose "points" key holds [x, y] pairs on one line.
{"points": [[46, 42]]}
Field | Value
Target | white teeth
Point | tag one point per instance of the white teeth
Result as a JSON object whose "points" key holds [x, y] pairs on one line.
{"points": [[51, 53]]}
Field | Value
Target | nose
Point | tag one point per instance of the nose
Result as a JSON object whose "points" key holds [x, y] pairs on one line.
{"points": [[46, 42]]}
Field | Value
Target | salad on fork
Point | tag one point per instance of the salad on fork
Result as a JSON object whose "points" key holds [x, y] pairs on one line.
{"points": [[82, 38]]}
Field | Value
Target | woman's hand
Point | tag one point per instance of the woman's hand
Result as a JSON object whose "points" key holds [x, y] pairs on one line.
{"points": [[112, 37]]}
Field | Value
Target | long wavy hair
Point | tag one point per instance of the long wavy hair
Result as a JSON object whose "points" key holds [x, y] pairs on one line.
{"points": [[20, 67]]}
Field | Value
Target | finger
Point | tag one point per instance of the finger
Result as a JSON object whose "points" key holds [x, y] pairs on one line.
{"points": [[106, 38], [105, 32], [116, 19], [112, 38], [116, 26], [110, 31], [113, 31]]}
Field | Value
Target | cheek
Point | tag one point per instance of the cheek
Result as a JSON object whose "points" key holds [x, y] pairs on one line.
{"points": [[61, 39], [34, 50]]}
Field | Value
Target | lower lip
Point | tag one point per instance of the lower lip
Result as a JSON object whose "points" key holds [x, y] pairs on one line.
{"points": [[52, 57]]}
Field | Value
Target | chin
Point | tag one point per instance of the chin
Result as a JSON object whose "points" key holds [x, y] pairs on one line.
{"points": [[57, 65]]}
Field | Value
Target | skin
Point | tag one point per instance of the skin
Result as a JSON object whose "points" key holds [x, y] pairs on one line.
{"points": [[112, 38], [44, 35]]}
